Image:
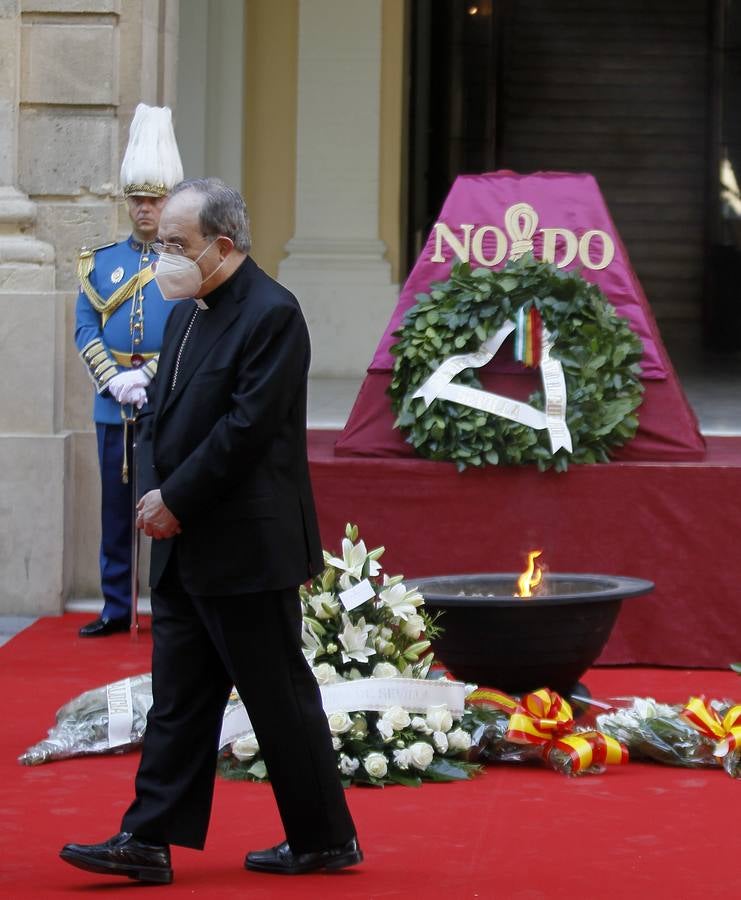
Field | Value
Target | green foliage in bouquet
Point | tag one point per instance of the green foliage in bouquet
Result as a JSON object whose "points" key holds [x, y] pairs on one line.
{"points": [[599, 353], [386, 636]]}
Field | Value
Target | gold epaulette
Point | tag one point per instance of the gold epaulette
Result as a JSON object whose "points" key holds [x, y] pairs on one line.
{"points": [[88, 251]]}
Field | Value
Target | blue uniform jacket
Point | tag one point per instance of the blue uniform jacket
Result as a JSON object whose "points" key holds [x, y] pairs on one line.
{"points": [[119, 319]]}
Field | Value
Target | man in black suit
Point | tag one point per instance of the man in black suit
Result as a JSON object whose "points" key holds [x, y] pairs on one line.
{"points": [[227, 499]]}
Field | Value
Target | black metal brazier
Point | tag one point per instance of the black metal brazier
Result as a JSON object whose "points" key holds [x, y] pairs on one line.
{"points": [[520, 644]]}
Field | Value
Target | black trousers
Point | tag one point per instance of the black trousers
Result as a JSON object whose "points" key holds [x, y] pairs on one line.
{"points": [[202, 646]]}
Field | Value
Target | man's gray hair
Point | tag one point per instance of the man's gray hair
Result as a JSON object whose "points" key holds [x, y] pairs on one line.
{"points": [[223, 212]]}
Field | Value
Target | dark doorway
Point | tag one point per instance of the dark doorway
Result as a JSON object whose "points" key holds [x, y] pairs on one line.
{"points": [[629, 90]]}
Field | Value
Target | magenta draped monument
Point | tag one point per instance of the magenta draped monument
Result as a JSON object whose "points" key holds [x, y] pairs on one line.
{"points": [[559, 217]]}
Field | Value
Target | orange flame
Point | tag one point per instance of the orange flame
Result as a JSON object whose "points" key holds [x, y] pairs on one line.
{"points": [[531, 577]]}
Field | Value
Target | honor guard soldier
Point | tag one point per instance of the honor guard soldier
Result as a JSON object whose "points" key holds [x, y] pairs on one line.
{"points": [[119, 322]]}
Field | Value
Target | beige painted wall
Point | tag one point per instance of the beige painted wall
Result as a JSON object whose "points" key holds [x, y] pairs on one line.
{"points": [[271, 59], [271, 65], [393, 92]]}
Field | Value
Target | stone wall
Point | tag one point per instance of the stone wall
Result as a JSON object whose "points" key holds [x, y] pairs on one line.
{"points": [[71, 74]]}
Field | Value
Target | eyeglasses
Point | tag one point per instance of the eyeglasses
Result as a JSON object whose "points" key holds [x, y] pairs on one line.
{"points": [[160, 247]]}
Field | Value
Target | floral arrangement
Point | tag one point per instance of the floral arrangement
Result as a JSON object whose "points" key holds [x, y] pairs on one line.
{"points": [[698, 735], [361, 624], [385, 636], [599, 353]]}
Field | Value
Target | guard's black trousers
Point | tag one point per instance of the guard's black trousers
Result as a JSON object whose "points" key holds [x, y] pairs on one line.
{"points": [[202, 646]]}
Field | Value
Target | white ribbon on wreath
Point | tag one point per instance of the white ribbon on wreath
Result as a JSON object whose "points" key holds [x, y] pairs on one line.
{"points": [[415, 695], [438, 386]]}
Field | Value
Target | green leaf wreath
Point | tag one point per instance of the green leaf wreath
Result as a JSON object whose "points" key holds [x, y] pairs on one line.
{"points": [[599, 353]]}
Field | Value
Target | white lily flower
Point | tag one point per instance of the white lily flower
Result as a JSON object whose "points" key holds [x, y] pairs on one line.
{"points": [[356, 640], [400, 601], [352, 562], [311, 643]]}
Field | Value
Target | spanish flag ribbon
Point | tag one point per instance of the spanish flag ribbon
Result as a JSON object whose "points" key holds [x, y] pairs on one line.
{"points": [[726, 732], [540, 717], [488, 697], [528, 336], [545, 718], [590, 748]]}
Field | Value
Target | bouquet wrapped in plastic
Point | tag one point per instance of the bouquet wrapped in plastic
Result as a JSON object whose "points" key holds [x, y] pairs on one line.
{"points": [[539, 727], [107, 719], [698, 735]]}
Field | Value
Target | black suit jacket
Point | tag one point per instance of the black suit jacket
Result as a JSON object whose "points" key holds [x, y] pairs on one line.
{"points": [[227, 446]]}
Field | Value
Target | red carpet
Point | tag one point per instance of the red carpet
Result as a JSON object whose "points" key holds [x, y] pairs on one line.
{"points": [[515, 833]]}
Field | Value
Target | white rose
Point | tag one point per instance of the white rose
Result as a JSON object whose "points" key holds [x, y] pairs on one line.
{"points": [[439, 718], [402, 758], [419, 724], [336, 743], [398, 717], [440, 740], [375, 765], [349, 765], [339, 722], [413, 627], [459, 740], [385, 729], [385, 670], [354, 675], [325, 673], [245, 748], [421, 755]]}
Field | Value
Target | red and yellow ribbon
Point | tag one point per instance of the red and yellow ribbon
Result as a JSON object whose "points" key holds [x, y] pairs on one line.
{"points": [[539, 718], [545, 718], [591, 748], [488, 697], [726, 732]]}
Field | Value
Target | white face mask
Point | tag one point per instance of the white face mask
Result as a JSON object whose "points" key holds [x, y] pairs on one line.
{"points": [[178, 277]]}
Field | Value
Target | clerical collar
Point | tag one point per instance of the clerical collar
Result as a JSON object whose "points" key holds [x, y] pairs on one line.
{"points": [[218, 292]]}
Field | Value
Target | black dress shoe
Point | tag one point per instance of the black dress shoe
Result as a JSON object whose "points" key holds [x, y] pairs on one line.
{"points": [[123, 854], [281, 860], [103, 627]]}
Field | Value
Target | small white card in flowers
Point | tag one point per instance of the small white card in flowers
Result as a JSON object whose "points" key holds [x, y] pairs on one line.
{"points": [[357, 595]]}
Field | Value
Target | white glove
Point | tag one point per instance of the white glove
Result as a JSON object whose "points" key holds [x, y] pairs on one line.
{"points": [[130, 387], [136, 396]]}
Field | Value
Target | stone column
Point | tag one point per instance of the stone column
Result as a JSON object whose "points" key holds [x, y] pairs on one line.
{"points": [[33, 458], [335, 262], [69, 70]]}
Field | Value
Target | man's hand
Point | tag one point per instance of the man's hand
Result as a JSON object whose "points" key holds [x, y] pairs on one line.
{"points": [[154, 518]]}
